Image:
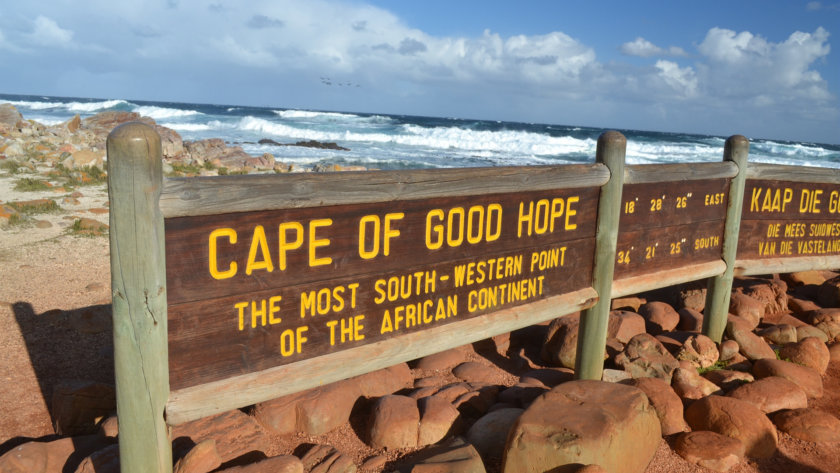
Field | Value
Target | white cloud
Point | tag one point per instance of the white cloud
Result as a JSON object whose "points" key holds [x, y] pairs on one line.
{"points": [[644, 48], [46, 32], [681, 79]]}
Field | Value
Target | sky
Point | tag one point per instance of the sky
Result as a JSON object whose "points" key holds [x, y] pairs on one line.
{"points": [[764, 69]]}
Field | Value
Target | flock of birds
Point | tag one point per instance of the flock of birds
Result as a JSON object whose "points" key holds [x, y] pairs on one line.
{"points": [[328, 81]]}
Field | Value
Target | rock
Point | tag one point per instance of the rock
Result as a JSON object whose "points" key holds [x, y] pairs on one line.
{"points": [[644, 356], [375, 463], [736, 419], [450, 392], [700, 351], [614, 376], [751, 345], [489, 433], [801, 306], [779, 334], [385, 381], [326, 459], [314, 412], [691, 296], [811, 425], [560, 346], [710, 450], [202, 458], [456, 456], [659, 317], [86, 157], [806, 378], [627, 303], [728, 379], [49, 457], [747, 308], [624, 325], [474, 372], [828, 294], [690, 320], [78, 406], [549, 377], [106, 460], [770, 292], [438, 419], [287, 464], [9, 115], [440, 361], [690, 386], [834, 351], [810, 352], [235, 433], [89, 226], [728, 349], [522, 394], [395, 423], [772, 394], [477, 402], [666, 403], [591, 469], [584, 422], [827, 320], [802, 278], [109, 428], [805, 331]]}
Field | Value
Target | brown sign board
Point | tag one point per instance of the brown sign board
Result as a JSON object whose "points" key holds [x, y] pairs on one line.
{"points": [[784, 219], [252, 290], [669, 225]]}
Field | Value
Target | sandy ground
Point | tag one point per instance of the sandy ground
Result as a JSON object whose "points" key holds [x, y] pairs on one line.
{"points": [[54, 291]]}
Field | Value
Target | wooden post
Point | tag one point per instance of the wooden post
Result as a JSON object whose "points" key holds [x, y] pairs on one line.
{"points": [[719, 288], [592, 339], [138, 285]]}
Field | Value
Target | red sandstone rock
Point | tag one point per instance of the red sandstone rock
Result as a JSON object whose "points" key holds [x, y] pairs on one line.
{"points": [[202, 458], [659, 317], [810, 352], [747, 308], [751, 345], [235, 433], [489, 433], [644, 356], [772, 394], [395, 422], [438, 419], [737, 419], [666, 403], [806, 378], [811, 425], [710, 450]]}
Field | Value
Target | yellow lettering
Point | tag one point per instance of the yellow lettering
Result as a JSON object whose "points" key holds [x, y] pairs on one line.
{"points": [[285, 245], [258, 242], [315, 243], [213, 258]]}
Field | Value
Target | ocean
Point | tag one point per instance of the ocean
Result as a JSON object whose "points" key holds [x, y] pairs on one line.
{"points": [[408, 142]]}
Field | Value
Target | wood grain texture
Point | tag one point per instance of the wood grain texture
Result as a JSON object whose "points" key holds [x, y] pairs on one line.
{"points": [[138, 282], [648, 174], [665, 278], [749, 267], [655, 249], [672, 203], [227, 194], [212, 398], [592, 338], [792, 200], [793, 173]]}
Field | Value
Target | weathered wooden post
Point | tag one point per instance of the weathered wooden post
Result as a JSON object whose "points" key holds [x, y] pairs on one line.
{"points": [[138, 284], [592, 340], [719, 288]]}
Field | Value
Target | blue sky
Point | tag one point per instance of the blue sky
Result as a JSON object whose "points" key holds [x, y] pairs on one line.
{"points": [[765, 69]]}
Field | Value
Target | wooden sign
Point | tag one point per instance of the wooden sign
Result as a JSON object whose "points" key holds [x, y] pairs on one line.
{"points": [[670, 225], [252, 290], [787, 219]]}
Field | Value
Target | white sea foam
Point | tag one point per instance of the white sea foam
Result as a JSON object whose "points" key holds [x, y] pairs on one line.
{"points": [[162, 113], [308, 114], [79, 107], [189, 126]]}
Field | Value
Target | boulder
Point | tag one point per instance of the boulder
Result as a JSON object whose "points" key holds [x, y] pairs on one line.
{"points": [[560, 346], [803, 278], [770, 292], [747, 308], [690, 386], [691, 320], [77, 406], [779, 334], [772, 394], [385, 381], [805, 331], [438, 419], [834, 351], [234, 432], [489, 433], [455, 456], [827, 320], [806, 378], [659, 317], [828, 294], [666, 403], [624, 325], [395, 422], [290, 464], [699, 350], [202, 458], [475, 372], [710, 450], [810, 352], [811, 425], [644, 356], [106, 460], [728, 349], [627, 303], [801, 306], [9, 115], [49, 457], [440, 361], [584, 422], [314, 412], [728, 379], [751, 345], [736, 419], [325, 459]]}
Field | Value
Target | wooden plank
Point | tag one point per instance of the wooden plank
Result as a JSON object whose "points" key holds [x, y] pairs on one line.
{"points": [[648, 174], [227, 194], [223, 337], [749, 267], [673, 203], [462, 227], [719, 288], [212, 398], [782, 172], [592, 339], [655, 249], [790, 200], [138, 283], [772, 239], [667, 277]]}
